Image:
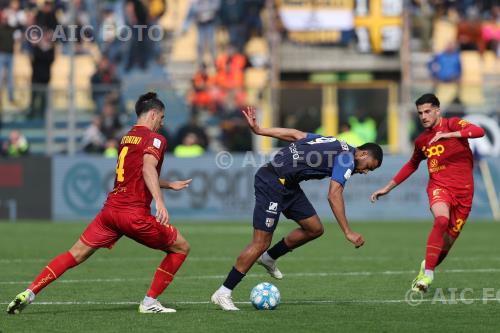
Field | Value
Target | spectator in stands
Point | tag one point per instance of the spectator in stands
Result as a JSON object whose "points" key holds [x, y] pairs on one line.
{"points": [[93, 140], [189, 147], [111, 149], [110, 45], [46, 16], [455, 109], [446, 66], [42, 57], [204, 13], [351, 137], [16, 146], [139, 46], [235, 137], [104, 82], [82, 19], [230, 68], [11, 19], [202, 95], [490, 32], [469, 32], [363, 126], [422, 19], [110, 121], [194, 127], [253, 22], [233, 16]]}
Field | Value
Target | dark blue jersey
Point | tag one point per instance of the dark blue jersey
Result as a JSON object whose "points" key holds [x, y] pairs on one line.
{"points": [[315, 157]]}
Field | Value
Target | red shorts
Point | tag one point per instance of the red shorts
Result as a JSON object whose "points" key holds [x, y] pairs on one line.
{"points": [[112, 223], [459, 204]]}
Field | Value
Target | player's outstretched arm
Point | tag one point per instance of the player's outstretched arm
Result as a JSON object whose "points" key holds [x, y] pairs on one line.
{"points": [[176, 185], [153, 183], [336, 201], [285, 134], [463, 129], [383, 191]]}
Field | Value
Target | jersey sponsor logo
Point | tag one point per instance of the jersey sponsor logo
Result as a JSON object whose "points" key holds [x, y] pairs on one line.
{"points": [[131, 139], [344, 145], [157, 143], [322, 139], [433, 151], [434, 166], [347, 174], [269, 222]]}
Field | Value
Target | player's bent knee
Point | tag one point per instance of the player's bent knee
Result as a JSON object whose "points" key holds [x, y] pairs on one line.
{"points": [[261, 245]]}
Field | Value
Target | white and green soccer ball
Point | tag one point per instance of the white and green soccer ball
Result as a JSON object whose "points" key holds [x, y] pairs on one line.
{"points": [[265, 296]]}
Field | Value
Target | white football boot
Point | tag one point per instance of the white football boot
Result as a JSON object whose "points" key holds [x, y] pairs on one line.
{"points": [[224, 300], [270, 265], [156, 307]]}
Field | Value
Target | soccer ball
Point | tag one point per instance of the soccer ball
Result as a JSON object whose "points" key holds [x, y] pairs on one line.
{"points": [[265, 296]]}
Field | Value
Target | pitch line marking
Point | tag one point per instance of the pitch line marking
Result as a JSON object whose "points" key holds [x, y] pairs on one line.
{"points": [[318, 274]]}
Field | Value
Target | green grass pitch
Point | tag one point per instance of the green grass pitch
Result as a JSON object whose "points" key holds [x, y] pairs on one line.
{"points": [[328, 285]]}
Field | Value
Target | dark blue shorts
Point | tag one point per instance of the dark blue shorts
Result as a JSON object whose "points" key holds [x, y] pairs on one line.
{"points": [[273, 198]]}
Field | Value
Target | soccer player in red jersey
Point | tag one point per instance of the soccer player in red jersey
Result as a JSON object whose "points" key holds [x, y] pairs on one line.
{"points": [[127, 211], [444, 144]]}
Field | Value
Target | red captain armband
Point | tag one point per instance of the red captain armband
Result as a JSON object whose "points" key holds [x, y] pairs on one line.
{"points": [[472, 131]]}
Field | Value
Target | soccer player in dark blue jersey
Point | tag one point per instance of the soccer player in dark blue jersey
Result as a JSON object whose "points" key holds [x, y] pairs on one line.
{"points": [[277, 190]]}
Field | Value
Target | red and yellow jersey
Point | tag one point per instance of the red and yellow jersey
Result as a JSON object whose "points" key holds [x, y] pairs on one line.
{"points": [[130, 190], [449, 161]]}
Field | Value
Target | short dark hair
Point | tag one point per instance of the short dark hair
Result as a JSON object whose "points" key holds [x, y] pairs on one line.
{"points": [[427, 98], [148, 101], [374, 150]]}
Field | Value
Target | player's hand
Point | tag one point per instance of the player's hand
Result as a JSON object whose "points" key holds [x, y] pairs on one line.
{"points": [[438, 136], [355, 238], [249, 113], [162, 214], [180, 184], [378, 193]]}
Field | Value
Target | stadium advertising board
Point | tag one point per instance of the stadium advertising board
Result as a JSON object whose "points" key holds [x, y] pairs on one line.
{"points": [[222, 189], [25, 188]]}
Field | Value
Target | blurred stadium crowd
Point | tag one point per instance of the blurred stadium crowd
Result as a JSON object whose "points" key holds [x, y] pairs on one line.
{"points": [[228, 67]]}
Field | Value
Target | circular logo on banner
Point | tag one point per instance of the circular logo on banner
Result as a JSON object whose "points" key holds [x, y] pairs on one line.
{"points": [[81, 188]]}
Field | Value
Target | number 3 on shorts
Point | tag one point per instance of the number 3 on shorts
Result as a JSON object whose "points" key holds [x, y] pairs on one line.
{"points": [[120, 172]]}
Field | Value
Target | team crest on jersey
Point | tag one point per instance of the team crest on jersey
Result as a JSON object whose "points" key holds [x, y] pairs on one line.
{"points": [[463, 123], [269, 222]]}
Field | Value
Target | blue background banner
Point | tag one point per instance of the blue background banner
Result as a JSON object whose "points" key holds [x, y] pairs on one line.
{"points": [[80, 186]]}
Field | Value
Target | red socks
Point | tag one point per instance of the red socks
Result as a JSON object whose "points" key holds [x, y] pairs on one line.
{"points": [[52, 271], [435, 243], [165, 273]]}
